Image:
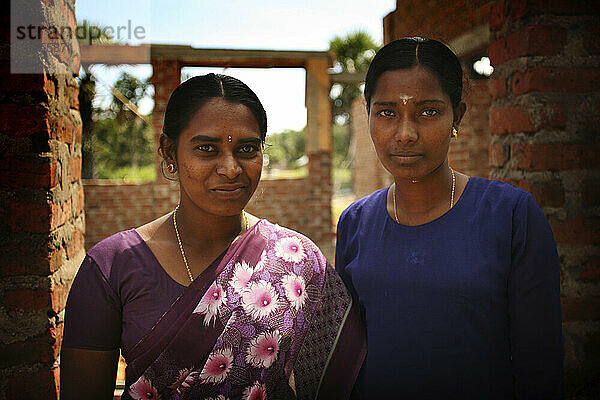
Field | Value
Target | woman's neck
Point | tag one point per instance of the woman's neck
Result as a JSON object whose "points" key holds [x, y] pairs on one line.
{"points": [[198, 228], [420, 201]]}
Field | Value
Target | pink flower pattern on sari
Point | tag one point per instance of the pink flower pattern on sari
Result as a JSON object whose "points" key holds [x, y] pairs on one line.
{"points": [[209, 305], [184, 381], [142, 389], [263, 349], [290, 249], [242, 273], [260, 299], [253, 304], [217, 366], [255, 392], [294, 290]]}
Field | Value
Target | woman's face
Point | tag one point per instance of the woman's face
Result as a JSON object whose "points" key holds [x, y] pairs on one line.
{"points": [[220, 157], [410, 122]]}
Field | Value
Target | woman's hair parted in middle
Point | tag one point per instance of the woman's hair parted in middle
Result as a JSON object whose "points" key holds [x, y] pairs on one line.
{"points": [[411, 52], [188, 97]]}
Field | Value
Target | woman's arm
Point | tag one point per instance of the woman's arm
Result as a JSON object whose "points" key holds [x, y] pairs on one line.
{"points": [[87, 374], [92, 334], [534, 306]]}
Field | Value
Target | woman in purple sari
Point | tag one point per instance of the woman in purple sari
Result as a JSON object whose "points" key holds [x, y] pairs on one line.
{"points": [[208, 301]]}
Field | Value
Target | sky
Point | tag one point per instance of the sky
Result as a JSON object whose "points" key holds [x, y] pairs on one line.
{"points": [[237, 24]]}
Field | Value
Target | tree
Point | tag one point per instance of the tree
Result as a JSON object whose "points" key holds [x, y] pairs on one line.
{"points": [[92, 34], [122, 137], [353, 53], [87, 91]]}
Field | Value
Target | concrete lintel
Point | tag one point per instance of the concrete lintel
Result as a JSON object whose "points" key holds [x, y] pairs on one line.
{"points": [[347, 77], [476, 39], [189, 56]]}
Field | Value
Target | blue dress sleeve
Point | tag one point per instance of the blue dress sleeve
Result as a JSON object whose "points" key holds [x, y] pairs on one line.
{"points": [[93, 311], [534, 305]]}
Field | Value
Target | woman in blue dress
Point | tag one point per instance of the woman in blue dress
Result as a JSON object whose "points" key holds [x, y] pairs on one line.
{"points": [[457, 277]]}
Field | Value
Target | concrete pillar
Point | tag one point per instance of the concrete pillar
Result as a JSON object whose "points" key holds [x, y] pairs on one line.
{"points": [[545, 130], [41, 199], [166, 76], [318, 150]]}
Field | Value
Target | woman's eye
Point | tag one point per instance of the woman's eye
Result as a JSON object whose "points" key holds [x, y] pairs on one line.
{"points": [[386, 113], [248, 149], [209, 148], [429, 112]]}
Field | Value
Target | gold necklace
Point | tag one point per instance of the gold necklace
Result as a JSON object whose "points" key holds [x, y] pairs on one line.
{"points": [[185, 261], [451, 196]]}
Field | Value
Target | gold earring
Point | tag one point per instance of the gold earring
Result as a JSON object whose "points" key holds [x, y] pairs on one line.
{"points": [[454, 134]]}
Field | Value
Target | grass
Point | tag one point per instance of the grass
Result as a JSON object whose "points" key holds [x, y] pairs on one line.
{"points": [[146, 173]]}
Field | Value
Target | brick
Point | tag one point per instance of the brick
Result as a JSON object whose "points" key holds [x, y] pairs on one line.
{"points": [[28, 173], [61, 213], [585, 308], [43, 384], [78, 131], [532, 41], [25, 83], [22, 121], [75, 245], [498, 155], [522, 8], [497, 14], [74, 169], [591, 270], [27, 299], [40, 349], [590, 193], [551, 79], [555, 156], [577, 230], [591, 347], [509, 119], [33, 258], [80, 202], [591, 40], [498, 88], [29, 217]]}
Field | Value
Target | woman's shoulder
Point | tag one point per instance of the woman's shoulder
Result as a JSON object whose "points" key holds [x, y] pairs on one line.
{"points": [[367, 205], [496, 192], [116, 249]]}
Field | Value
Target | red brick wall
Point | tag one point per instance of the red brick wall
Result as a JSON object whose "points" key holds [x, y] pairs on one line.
{"points": [[114, 206], [368, 173], [437, 19], [545, 124], [41, 205], [469, 152]]}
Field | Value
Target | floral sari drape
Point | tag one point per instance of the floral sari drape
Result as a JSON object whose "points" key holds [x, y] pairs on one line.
{"points": [[268, 312]]}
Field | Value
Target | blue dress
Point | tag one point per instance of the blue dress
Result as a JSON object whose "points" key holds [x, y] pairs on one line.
{"points": [[465, 306]]}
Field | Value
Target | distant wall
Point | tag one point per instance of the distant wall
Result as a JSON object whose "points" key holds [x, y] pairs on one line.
{"points": [[115, 206]]}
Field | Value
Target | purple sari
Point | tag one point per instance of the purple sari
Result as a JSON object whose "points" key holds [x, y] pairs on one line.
{"points": [[268, 307]]}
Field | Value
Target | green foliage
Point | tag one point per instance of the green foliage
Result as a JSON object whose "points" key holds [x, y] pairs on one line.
{"points": [[341, 145], [146, 173], [93, 33], [353, 52], [124, 143], [285, 148], [87, 91]]}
